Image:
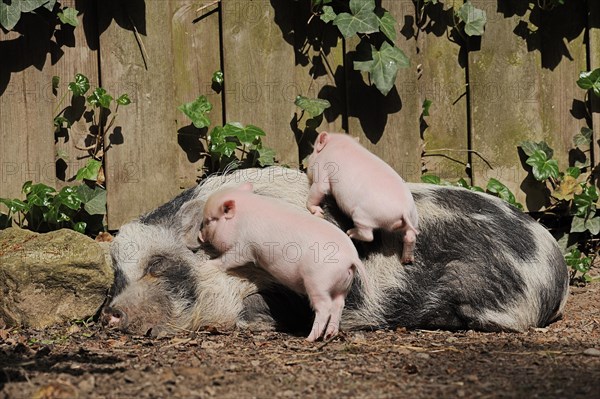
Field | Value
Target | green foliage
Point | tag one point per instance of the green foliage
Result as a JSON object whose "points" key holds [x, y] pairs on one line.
{"points": [[11, 11], [314, 106], [384, 66], [197, 111], [590, 81], [468, 19], [578, 263], [425, 107], [230, 146], [493, 187], [68, 16], [376, 29], [44, 209], [474, 19], [97, 110]]}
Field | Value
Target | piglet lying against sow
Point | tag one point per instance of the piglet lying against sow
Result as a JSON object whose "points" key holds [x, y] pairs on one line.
{"points": [[365, 188], [307, 254]]}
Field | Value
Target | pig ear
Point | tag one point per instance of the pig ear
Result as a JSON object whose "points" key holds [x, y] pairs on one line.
{"points": [[247, 187], [190, 217], [321, 141], [228, 209]]}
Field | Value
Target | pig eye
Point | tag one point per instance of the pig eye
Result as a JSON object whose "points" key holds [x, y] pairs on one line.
{"points": [[156, 266]]}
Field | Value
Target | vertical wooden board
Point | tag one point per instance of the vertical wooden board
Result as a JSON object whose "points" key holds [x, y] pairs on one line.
{"points": [[443, 82], [80, 56], [142, 170], [26, 131], [196, 56], [504, 84], [258, 62], [562, 102], [594, 56], [389, 126], [319, 73]]}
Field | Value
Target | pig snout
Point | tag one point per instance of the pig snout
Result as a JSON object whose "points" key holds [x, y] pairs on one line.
{"points": [[114, 318]]}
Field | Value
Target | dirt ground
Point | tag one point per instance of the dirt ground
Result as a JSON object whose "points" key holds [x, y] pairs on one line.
{"points": [[86, 361]]}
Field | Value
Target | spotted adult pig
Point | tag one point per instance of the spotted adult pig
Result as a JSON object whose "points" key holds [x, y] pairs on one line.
{"points": [[479, 264]]}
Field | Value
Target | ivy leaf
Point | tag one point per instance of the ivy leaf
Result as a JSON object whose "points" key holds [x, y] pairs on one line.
{"points": [[387, 26], [383, 66], [529, 147], [580, 225], [123, 100], [542, 167], [38, 194], [362, 20], [69, 16], [568, 188], [80, 227], [494, 186], [584, 137], [50, 5], [573, 172], [314, 106], [68, 197], [60, 120], [266, 156], [55, 83], [14, 205], [100, 98], [197, 110], [94, 199], [218, 78], [426, 104], [30, 5], [89, 171], [328, 14], [575, 261], [246, 135], [585, 202], [474, 19], [219, 144], [80, 86], [431, 179], [590, 80]]}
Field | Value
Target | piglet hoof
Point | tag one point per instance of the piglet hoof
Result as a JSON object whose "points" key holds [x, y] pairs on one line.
{"points": [[317, 211], [409, 260]]}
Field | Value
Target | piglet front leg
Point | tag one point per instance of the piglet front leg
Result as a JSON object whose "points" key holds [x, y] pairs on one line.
{"points": [[315, 196]]}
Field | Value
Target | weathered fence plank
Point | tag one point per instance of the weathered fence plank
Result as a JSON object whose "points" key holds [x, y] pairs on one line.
{"points": [[142, 170], [81, 57], [594, 56], [563, 110], [389, 125], [196, 57], [319, 73], [442, 80], [26, 130], [259, 65], [505, 107]]}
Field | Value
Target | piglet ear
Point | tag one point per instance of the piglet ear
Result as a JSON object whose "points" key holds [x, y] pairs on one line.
{"points": [[246, 187], [321, 141], [228, 209], [190, 222]]}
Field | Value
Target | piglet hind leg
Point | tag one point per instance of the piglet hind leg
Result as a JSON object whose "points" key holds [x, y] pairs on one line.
{"points": [[361, 233], [319, 325], [333, 328], [409, 240]]}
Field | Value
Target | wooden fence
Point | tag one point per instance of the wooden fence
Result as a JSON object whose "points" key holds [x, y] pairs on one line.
{"points": [[514, 84]]}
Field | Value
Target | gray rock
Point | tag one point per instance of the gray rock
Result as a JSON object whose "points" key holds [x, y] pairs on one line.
{"points": [[50, 278]]}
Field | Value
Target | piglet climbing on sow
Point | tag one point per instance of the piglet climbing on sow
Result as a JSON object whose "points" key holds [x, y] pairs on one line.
{"points": [[308, 255], [365, 188]]}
